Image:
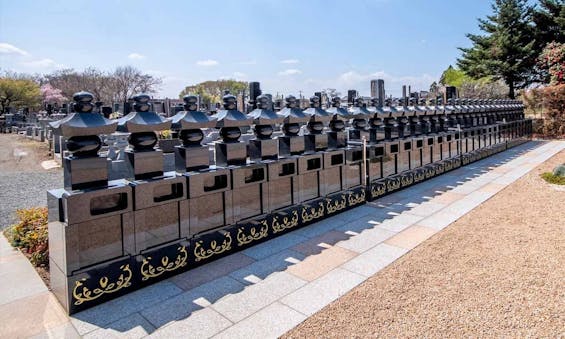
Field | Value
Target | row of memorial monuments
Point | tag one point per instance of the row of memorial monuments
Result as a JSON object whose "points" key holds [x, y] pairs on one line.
{"points": [[107, 238]]}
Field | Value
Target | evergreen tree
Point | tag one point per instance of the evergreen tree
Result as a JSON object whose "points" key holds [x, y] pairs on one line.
{"points": [[549, 22], [507, 49]]}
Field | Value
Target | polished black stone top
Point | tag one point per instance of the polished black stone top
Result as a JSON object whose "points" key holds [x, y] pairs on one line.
{"points": [[83, 121], [359, 109], [191, 118], [291, 113], [230, 116], [263, 115], [141, 119], [337, 112], [315, 112]]}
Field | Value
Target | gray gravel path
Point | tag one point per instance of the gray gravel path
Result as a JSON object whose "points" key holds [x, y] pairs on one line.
{"points": [[23, 190]]}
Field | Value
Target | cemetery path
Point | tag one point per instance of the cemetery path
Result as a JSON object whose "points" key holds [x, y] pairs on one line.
{"points": [[23, 181], [497, 271]]}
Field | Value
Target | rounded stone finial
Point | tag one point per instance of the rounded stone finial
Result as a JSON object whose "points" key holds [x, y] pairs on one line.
{"points": [[141, 102], [190, 102], [230, 102], [83, 102], [263, 102], [336, 102], [422, 101], [291, 101], [314, 101], [359, 102], [374, 101], [388, 102]]}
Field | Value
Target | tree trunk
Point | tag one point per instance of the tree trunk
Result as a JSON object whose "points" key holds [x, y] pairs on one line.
{"points": [[511, 89]]}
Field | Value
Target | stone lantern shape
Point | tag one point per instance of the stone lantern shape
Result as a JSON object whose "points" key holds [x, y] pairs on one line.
{"points": [[315, 140], [293, 117], [230, 151], [339, 115], [191, 155], [263, 147], [84, 168], [143, 159], [360, 114]]}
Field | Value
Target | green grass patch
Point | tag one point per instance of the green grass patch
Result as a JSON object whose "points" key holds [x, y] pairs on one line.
{"points": [[553, 179]]}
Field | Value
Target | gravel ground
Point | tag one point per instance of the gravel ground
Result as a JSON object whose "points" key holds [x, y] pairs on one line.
{"points": [[497, 272], [23, 182]]}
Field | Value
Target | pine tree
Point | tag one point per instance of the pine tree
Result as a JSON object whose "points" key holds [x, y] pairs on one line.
{"points": [[549, 22], [507, 49]]}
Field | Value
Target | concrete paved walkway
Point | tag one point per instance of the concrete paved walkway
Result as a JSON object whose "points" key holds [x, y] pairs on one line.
{"points": [[268, 289]]}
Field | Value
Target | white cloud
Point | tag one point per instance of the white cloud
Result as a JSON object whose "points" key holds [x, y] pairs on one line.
{"points": [[41, 63], [208, 62], [136, 56], [290, 61], [6, 48], [290, 72]]}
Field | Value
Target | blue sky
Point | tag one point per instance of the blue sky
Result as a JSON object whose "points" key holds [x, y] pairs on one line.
{"points": [[289, 46]]}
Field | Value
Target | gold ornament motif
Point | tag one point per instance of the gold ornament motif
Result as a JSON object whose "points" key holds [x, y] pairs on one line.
{"points": [[149, 271], [214, 249], [313, 214], [244, 239], [407, 180], [82, 293], [378, 190], [336, 205], [419, 176], [393, 184], [355, 199], [286, 222], [430, 172]]}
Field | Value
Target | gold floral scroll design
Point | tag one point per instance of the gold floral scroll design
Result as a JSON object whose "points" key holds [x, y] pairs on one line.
{"points": [[419, 176], [378, 190], [81, 293], [201, 253], [336, 205], [407, 179], [254, 234], [439, 168], [149, 271], [286, 223], [393, 184], [311, 213], [430, 172], [356, 198]]}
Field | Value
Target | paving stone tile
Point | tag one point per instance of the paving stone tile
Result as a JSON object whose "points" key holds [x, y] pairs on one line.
{"points": [[492, 188], [355, 213], [66, 331], [400, 222], [18, 278], [201, 324], [211, 271], [133, 326], [270, 322], [254, 297], [411, 237], [439, 220], [317, 265], [31, 316], [317, 294], [320, 243], [319, 227], [262, 269], [447, 198], [185, 304], [466, 188], [273, 246], [374, 260], [367, 222], [108, 312], [366, 239], [427, 208]]}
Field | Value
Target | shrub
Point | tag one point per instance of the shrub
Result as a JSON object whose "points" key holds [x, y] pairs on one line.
{"points": [[551, 101], [553, 179], [30, 234]]}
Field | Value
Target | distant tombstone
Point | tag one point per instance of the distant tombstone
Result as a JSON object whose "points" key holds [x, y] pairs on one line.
{"points": [[106, 111]]}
